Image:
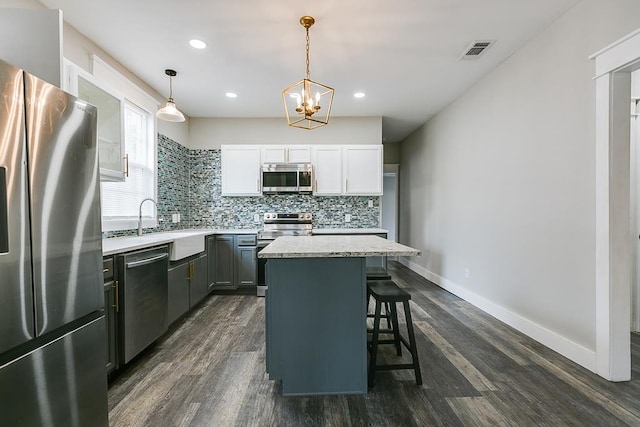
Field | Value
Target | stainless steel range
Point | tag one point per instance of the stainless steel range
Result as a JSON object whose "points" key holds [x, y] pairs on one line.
{"points": [[276, 225]]}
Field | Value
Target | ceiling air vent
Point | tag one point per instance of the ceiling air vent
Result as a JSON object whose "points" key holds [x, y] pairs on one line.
{"points": [[476, 49]]}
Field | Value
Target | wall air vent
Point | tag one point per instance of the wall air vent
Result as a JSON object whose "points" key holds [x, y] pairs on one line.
{"points": [[476, 49]]}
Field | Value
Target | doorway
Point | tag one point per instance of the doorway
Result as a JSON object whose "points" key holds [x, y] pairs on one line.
{"points": [[635, 199], [614, 263], [389, 202]]}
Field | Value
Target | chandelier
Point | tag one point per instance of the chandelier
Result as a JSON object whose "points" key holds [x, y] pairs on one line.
{"points": [[307, 103]]}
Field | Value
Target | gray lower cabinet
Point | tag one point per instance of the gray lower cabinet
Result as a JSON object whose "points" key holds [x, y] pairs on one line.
{"points": [[187, 285], [224, 272], [198, 286], [211, 262], [246, 265], [110, 312], [178, 295], [232, 261]]}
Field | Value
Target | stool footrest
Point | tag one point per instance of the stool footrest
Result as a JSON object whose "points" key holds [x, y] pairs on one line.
{"points": [[394, 367]]}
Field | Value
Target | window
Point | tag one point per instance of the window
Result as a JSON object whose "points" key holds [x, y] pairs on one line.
{"points": [[121, 200]]}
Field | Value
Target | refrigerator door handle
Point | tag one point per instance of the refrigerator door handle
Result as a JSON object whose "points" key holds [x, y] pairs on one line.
{"points": [[146, 261], [4, 212]]}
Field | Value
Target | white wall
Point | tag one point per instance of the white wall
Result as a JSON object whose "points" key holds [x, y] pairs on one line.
{"points": [[31, 39], [207, 133], [502, 182]]}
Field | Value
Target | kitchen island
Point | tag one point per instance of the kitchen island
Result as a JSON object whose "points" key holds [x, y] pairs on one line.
{"points": [[316, 311]]}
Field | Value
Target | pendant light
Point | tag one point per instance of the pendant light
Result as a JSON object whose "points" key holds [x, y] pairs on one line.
{"points": [[170, 112], [307, 103]]}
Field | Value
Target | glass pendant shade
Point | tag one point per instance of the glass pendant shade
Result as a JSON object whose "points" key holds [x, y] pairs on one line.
{"points": [[170, 113]]}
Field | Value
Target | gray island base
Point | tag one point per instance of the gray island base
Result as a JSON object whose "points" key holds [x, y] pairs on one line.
{"points": [[316, 311]]}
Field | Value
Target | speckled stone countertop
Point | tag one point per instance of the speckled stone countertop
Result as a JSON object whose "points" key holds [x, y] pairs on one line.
{"points": [[349, 231], [117, 245], [334, 247]]}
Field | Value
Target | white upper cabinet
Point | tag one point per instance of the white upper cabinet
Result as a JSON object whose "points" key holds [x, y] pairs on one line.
{"points": [[110, 105], [241, 170], [362, 169], [286, 154], [327, 170]]}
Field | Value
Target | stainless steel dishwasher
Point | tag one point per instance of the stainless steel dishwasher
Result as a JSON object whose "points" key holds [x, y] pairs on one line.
{"points": [[142, 299]]}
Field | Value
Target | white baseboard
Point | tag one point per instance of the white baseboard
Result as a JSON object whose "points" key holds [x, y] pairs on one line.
{"points": [[569, 349]]}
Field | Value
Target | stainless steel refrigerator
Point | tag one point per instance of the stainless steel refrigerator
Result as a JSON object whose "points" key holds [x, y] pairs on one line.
{"points": [[52, 328]]}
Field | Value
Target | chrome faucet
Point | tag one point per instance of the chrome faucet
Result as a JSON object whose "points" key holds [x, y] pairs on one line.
{"points": [[140, 215]]}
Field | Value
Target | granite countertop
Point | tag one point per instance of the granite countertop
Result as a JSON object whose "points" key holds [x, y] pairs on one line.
{"points": [[349, 231], [116, 245], [334, 247]]}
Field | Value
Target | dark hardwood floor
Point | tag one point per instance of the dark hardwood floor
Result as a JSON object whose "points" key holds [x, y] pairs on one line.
{"points": [[476, 371]]}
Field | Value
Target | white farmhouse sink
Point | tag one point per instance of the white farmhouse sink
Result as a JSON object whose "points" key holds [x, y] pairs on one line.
{"points": [[185, 244]]}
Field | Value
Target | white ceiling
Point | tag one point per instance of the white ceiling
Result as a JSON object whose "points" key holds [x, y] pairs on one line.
{"points": [[402, 53]]}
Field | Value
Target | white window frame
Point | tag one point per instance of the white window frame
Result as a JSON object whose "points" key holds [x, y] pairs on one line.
{"points": [[129, 222]]}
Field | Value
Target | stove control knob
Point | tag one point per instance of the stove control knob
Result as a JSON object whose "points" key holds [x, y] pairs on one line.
{"points": [[307, 216]]}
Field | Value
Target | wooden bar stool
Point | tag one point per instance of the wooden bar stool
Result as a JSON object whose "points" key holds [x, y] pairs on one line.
{"points": [[386, 291]]}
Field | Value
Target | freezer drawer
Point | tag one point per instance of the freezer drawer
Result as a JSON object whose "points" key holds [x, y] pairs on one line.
{"points": [[58, 384]]}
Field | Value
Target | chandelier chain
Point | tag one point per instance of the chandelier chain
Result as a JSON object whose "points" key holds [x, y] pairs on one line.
{"points": [[307, 53]]}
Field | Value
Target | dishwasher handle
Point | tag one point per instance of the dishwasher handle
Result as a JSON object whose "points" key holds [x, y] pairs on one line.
{"points": [[146, 261]]}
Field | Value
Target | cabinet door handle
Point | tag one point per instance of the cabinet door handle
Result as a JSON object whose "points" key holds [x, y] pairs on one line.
{"points": [[104, 270], [126, 165], [117, 304], [258, 185], [346, 185]]}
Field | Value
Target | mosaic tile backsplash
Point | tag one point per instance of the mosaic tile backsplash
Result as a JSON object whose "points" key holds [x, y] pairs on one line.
{"points": [[189, 183]]}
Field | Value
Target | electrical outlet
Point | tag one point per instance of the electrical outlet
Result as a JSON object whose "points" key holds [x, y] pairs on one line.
{"points": [[347, 218], [370, 203], [467, 273], [256, 217], [178, 216], [174, 218]]}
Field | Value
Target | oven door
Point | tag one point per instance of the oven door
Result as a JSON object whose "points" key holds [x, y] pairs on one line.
{"points": [[261, 282]]}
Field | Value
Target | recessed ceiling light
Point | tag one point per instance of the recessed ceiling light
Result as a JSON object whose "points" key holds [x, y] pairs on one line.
{"points": [[198, 44], [358, 95], [231, 95]]}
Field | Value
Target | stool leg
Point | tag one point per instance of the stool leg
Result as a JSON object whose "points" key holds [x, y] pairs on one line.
{"points": [[374, 344], [387, 310], [412, 343], [395, 327]]}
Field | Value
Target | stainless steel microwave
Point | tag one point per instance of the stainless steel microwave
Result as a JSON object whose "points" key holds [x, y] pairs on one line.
{"points": [[287, 178]]}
